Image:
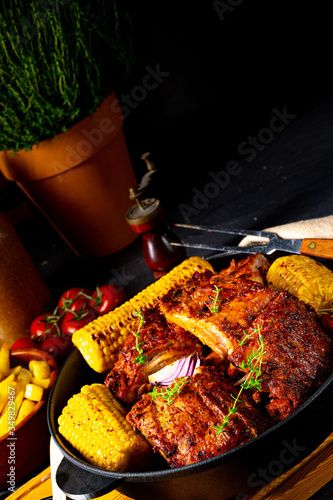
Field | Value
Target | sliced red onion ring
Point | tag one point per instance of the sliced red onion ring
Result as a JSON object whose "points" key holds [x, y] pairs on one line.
{"points": [[184, 367]]}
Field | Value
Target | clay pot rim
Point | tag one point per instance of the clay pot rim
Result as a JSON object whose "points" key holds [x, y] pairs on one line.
{"points": [[66, 150]]}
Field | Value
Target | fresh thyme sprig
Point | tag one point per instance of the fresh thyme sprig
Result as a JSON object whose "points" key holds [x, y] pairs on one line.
{"points": [[141, 357], [215, 307], [254, 364], [232, 409], [169, 393], [252, 379], [246, 337]]}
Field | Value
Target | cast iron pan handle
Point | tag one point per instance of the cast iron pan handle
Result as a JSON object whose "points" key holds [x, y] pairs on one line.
{"points": [[79, 484]]}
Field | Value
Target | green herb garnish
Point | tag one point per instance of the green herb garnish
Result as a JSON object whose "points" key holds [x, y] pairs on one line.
{"points": [[254, 364], [215, 307], [252, 379], [140, 358], [168, 393], [246, 337]]}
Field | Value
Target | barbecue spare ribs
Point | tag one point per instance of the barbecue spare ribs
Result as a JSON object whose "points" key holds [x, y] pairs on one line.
{"points": [[225, 308], [265, 354], [217, 308], [183, 431], [297, 357], [162, 344]]}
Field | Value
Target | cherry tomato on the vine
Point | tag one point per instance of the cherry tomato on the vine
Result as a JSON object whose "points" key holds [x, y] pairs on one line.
{"points": [[42, 327], [23, 343], [107, 297], [73, 321], [74, 299]]}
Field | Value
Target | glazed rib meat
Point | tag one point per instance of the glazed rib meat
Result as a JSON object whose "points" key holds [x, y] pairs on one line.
{"points": [[217, 308], [298, 354], [183, 431], [162, 344]]}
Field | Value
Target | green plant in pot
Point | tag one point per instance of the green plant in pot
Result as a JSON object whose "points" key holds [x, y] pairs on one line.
{"points": [[61, 135]]}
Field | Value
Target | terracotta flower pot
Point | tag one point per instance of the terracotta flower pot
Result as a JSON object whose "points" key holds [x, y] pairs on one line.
{"points": [[80, 181]]}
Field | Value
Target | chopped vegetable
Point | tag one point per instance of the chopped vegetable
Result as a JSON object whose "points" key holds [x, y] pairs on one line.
{"points": [[184, 367], [34, 392], [40, 369], [26, 407], [4, 384], [42, 382]]}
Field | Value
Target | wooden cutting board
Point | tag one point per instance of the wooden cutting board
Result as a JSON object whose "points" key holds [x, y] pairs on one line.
{"points": [[303, 481]]}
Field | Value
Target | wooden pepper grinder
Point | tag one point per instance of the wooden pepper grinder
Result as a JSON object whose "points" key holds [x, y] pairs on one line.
{"points": [[147, 218]]}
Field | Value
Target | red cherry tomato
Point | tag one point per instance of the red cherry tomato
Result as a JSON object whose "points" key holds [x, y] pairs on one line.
{"points": [[107, 297], [58, 347], [71, 322], [24, 342], [42, 327], [74, 300]]}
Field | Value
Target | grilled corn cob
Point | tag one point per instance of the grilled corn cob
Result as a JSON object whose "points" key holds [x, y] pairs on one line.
{"points": [[101, 340], [94, 423], [304, 277]]}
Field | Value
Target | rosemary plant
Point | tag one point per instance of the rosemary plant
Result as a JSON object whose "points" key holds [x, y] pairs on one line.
{"points": [[58, 60]]}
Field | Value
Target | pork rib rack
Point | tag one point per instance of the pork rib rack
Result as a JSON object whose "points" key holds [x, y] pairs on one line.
{"points": [[183, 432], [224, 308], [239, 293], [162, 344]]}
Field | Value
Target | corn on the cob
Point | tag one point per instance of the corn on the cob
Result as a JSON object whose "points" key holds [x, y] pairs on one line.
{"points": [[304, 277], [94, 423], [101, 340]]}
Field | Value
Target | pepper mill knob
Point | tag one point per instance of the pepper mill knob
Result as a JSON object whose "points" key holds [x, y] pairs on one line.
{"points": [[146, 217]]}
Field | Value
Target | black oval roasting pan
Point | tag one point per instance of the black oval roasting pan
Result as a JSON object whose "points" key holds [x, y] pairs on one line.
{"points": [[234, 474]]}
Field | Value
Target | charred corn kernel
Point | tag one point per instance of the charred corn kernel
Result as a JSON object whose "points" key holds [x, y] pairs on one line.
{"points": [[304, 277], [4, 361], [95, 424], [100, 341], [26, 408], [40, 369], [43, 382], [34, 392]]}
